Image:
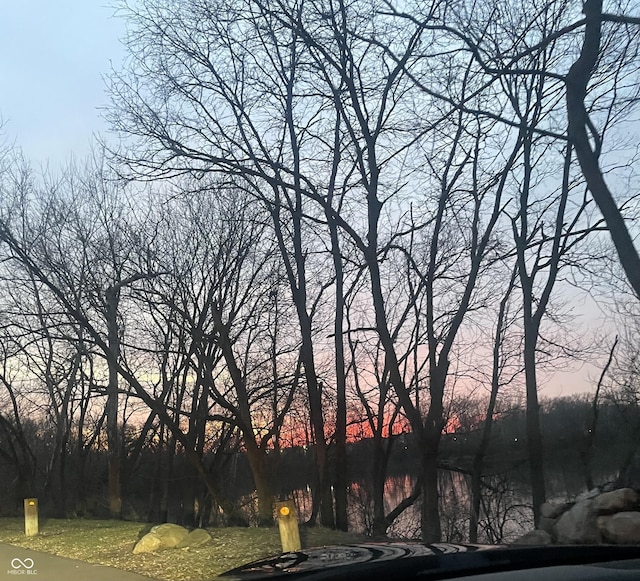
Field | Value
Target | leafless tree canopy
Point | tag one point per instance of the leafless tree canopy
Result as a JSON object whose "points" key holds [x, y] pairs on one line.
{"points": [[320, 215]]}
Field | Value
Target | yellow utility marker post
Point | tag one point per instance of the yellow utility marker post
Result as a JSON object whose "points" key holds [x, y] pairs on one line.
{"points": [[30, 517], [288, 525]]}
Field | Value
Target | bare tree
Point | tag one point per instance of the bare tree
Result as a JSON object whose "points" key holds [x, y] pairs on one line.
{"points": [[74, 261], [329, 72], [219, 294], [265, 153], [587, 446], [597, 90], [582, 132], [500, 367]]}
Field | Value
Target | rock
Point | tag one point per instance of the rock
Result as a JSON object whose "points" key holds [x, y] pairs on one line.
{"points": [[537, 537], [554, 509], [170, 534], [148, 544], [196, 538], [622, 528], [623, 499], [578, 525], [588, 495], [548, 525]]}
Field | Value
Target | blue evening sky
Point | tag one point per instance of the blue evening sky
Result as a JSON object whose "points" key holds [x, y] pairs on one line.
{"points": [[53, 55]]}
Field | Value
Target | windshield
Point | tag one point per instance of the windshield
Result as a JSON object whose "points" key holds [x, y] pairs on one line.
{"points": [[368, 267]]}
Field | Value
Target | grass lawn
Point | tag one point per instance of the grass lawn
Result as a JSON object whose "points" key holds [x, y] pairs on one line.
{"points": [[111, 543]]}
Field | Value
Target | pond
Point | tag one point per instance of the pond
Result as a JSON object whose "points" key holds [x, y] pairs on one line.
{"points": [[506, 511]]}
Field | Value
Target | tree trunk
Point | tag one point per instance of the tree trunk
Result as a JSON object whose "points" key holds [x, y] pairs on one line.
{"points": [[430, 514], [587, 448], [169, 454], [379, 475], [323, 500], [257, 462], [255, 454], [322, 503], [341, 385], [113, 439], [577, 81], [478, 459], [534, 435]]}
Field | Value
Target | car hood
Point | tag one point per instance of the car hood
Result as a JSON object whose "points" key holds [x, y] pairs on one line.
{"points": [[321, 558], [415, 560]]}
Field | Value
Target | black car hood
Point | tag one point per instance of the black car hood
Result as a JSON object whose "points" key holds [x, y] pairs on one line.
{"points": [[321, 558], [415, 560]]}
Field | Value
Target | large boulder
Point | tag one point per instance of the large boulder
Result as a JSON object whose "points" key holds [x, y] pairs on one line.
{"points": [[196, 538], [588, 495], [547, 525], [148, 544], [622, 527], [554, 509], [623, 499], [170, 534], [578, 525], [536, 537]]}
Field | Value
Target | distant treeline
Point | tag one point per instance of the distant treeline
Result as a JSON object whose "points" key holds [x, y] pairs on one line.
{"points": [[163, 486]]}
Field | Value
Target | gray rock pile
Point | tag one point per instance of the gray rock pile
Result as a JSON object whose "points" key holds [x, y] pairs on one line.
{"points": [[171, 536], [595, 517]]}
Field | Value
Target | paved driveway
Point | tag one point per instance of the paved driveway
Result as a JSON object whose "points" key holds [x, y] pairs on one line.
{"points": [[17, 563]]}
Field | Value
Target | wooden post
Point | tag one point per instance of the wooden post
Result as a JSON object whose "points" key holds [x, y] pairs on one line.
{"points": [[30, 517], [288, 525]]}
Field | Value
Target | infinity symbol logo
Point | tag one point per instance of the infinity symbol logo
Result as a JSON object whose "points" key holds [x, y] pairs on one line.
{"points": [[17, 563]]}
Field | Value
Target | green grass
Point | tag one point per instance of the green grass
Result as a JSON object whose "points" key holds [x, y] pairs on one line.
{"points": [[111, 543]]}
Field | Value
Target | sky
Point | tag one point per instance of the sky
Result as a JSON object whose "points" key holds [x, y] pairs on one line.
{"points": [[53, 55], [53, 58]]}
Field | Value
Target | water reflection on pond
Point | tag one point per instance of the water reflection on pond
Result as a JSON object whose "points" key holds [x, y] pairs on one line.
{"points": [[506, 510]]}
